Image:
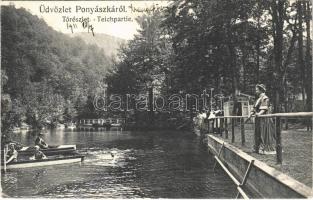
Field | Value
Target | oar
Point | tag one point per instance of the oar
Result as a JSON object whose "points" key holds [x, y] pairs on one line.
{"points": [[5, 158]]}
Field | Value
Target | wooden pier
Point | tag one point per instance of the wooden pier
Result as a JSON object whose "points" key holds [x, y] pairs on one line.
{"points": [[100, 124]]}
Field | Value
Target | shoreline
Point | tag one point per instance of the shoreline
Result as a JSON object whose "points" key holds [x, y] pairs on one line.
{"points": [[264, 180]]}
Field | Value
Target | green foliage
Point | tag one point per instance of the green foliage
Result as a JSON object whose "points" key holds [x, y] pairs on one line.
{"points": [[230, 45], [144, 61], [46, 73], [214, 42]]}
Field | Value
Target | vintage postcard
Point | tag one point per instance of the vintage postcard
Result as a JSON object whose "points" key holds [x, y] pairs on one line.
{"points": [[197, 99]]}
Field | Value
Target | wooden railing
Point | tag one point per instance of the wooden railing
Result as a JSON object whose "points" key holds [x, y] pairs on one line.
{"points": [[222, 124]]}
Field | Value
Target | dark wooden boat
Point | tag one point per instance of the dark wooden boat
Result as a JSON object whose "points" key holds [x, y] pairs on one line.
{"points": [[61, 149], [44, 162]]}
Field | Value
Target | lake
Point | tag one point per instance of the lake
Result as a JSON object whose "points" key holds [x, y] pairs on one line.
{"points": [[154, 164]]}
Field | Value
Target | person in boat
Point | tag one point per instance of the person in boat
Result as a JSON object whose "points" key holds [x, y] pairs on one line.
{"points": [[38, 155], [6, 140], [40, 142], [261, 107], [11, 154]]}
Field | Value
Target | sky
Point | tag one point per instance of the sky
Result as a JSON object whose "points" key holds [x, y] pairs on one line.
{"points": [[125, 30]]}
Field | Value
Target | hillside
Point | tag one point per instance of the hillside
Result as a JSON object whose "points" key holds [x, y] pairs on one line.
{"points": [[47, 75], [108, 43]]}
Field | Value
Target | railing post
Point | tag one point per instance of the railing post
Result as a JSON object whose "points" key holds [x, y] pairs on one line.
{"points": [[257, 134], [286, 123], [232, 130], [218, 126], [222, 126], [208, 125], [242, 127], [226, 129], [278, 140]]}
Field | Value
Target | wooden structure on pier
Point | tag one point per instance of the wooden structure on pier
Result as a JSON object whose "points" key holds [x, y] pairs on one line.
{"points": [[100, 124], [244, 105], [113, 121]]}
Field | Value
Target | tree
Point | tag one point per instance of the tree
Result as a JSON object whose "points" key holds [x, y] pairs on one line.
{"points": [[47, 71], [308, 55]]}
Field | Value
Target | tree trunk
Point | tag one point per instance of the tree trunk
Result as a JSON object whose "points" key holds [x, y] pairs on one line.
{"points": [[258, 53], [277, 24], [232, 67], [151, 112], [244, 58], [286, 104], [308, 56], [300, 49], [308, 61]]}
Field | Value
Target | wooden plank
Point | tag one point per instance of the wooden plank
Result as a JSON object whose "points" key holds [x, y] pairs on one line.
{"points": [[218, 155], [227, 171], [232, 130], [245, 178], [232, 117], [257, 135], [243, 194], [278, 141], [39, 163], [62, 149], [5, 157], [208, 126], [276, 175], [242, 130], [226, 129], [293, 114], [222, 126]]}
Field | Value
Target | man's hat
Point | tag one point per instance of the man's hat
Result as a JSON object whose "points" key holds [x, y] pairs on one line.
{"points": [[261, 86]]}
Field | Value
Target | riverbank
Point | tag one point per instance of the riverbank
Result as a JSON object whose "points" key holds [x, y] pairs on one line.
{"points": [[297, 152], [254, 178]]}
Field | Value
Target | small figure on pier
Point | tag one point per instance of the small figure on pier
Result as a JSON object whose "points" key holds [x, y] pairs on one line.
{"points": [[216, 122], [218, 113], [261, 107]]}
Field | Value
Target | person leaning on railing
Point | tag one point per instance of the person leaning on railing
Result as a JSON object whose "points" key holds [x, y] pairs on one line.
{"points": [[261, 107]]}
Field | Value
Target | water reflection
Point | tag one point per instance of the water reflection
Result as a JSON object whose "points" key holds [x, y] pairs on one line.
{"points": [[123, 165]]}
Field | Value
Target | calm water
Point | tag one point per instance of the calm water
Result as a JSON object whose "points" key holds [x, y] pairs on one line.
{"points": [[146, 165]]}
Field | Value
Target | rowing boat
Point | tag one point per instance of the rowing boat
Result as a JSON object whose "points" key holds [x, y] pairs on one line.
{"points": [[61, 149], [44, 162]]}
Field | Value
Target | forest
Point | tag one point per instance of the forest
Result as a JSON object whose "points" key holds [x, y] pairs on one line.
{"points": [[228, 45], [192, 45], [46, 76]]}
